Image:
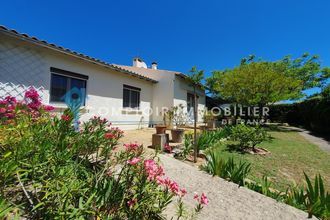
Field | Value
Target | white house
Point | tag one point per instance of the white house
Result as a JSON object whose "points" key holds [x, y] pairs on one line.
{"points": [[129, 96]]}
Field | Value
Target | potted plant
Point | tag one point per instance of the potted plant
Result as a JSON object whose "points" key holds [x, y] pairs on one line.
{"points": [[168, 117], [160, 129], [179, 120]]}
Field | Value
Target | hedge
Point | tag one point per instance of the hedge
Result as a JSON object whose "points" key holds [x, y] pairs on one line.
{"points": [[313, 114]]}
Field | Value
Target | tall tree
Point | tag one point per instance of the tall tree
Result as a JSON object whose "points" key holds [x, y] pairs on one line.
{"points": [[258, 82], [195, 77]]}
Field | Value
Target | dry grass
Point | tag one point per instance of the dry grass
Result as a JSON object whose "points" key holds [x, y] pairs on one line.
{"points": [[291, 155]]}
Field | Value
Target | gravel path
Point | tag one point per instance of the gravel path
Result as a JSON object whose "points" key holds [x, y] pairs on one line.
{"points": [[227, 200]]}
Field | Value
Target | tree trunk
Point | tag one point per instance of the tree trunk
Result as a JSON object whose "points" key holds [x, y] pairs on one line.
{"points": [[195, 126]]}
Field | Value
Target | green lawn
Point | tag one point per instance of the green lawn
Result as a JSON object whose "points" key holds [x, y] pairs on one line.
{"points": [[291, 154]]}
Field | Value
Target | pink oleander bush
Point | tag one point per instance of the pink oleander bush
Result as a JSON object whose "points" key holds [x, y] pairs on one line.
{"points": [[48, 170]]}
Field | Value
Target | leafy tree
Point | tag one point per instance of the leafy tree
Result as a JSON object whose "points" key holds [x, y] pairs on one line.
{"points": [[326, 92], [259, 82]]}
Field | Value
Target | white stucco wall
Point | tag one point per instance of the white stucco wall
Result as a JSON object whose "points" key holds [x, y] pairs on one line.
{"points": [[181, 88], [23, 65], [163, 94]]}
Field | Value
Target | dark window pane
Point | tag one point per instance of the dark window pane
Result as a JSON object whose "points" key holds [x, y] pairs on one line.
{"points": [[131, 97], [126, 100], [190, 101], [58, 88], [78, 90], [135, 98]]}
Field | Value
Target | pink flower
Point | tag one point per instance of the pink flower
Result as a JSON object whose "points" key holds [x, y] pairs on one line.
{"points": [[9, 115], [174, 187], [171, 185], [196, 196], [65, 117], [159, 180], [131, 202], [183, 192], [133, 161], [152, 169], [32, 98], [48, 108], [168, 148], [2, 110], [32, 94], [10, 100], [132, 147], [108, 135], [204, 199]]}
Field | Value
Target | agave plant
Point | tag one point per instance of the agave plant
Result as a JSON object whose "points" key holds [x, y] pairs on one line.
{"points": [[295, 196], [317, 199], [237, 172], [227, 169], [214, 165], [313, 199]]}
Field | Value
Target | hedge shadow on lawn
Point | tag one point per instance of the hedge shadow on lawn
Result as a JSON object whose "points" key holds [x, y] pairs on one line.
{"points": [[324, 136]]}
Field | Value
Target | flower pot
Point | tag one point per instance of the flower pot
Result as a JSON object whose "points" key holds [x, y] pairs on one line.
{"points": [[160, 129], [177, 135]]}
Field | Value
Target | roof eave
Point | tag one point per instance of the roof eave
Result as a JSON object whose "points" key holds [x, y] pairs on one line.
{"points": [[69, 52]]}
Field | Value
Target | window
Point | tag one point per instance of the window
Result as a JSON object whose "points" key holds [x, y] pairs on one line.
{"points": [[131, 97], [191, 103], [67, 87]]}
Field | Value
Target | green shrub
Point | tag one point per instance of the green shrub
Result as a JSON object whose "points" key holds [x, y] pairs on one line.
{"points": [[311, 113], [247, 136], [50, 171], [187, 145], [208, 138], [227, 169]]}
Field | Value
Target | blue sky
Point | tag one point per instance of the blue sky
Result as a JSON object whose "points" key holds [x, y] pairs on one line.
{"points": [[212, 35]]}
